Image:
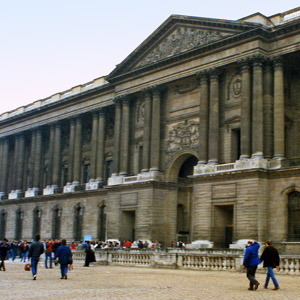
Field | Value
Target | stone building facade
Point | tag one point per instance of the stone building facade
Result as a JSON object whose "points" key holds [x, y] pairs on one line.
{"points": [[195, 135]]}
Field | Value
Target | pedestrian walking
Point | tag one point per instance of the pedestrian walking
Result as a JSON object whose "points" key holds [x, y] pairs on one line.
{"points": [[35, 250], [48, 254], [4, 247], [64, 256], [250, 262], [271, 260]]}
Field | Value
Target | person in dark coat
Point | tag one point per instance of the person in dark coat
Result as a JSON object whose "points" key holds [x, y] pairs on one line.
{"points": [[35, 250], [4, 247], [271, 260], [89, 254], [250, 262], [64, 255]]}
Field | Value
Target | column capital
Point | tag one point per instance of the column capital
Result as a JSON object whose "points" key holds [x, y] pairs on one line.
{"points": [[119, 99], [214, 73], [277, 62], [202, 75]]}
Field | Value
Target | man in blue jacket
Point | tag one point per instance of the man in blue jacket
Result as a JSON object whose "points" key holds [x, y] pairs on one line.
{"points": [[64, 256], [250, 262]]}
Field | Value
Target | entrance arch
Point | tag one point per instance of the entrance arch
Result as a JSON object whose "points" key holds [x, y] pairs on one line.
{"points": [[181, 165]]}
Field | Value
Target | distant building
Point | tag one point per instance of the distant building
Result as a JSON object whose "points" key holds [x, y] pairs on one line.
{"points": [[194, 136]]}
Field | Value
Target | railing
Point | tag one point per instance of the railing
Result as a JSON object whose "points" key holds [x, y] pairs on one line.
{"points": [[205, 259], [225, 167]]}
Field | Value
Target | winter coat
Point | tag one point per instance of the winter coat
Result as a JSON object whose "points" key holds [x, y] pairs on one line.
{"points": [[270, 257], [64, 255], [251, 255], [36, 249]]}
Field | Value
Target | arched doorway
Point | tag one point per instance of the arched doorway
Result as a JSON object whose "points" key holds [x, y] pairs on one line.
{"points": [[181, 167]]}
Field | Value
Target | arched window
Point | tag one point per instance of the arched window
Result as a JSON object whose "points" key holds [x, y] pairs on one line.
{"points": [[102, 222], [78, 222], [36, 228], [56, 221], [3, 217], [19, 224], [294, 216]]}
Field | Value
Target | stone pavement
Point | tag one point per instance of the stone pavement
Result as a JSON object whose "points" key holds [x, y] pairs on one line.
{"points": [[112, 282]]}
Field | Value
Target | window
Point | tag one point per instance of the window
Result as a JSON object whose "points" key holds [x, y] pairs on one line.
{"points": [[78, 222], [36, 228], [294, 216], [108, 169], [3, 217], [86, 172], [56, 220], [19, 224], [102, 223]]}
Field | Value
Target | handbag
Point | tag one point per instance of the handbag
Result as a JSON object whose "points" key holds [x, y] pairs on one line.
{"points": [[27, 267]]}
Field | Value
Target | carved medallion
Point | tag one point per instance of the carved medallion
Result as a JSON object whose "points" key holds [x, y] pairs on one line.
{"points": [[183, 136], [235, 87]]}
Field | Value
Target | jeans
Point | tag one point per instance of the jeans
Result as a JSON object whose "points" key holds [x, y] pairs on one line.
{"points": [[23, 256], [251, 275], [63, 270], [34, 264], [49, 254], [13, 254], [270, 274]]}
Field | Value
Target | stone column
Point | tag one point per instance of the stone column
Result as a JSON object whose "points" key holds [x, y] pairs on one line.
{"points": [[71, 150], [101, 147], [117, 134], [50, 155], [125, 137], [4, 168], [147, 131], [94, 145], [77, 152], [15, 164], [246, 111], [57, 157], [203, 124], [268, 112], [279, 138], [213, 147], [32, 158], [37, 160], [1, 163], [257, 109], [155, 133], [20, 169]]}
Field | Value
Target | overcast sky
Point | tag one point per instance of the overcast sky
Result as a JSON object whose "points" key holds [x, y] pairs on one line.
{"points": [[48, 46]]}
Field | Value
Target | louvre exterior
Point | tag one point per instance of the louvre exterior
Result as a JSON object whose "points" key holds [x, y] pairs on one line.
{"points": [[195, 135]]}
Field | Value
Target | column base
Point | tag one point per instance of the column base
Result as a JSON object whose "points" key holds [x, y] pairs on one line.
{"points": [[115, 179], [3, 196], [32, 192], [51, 190], [94, 184], [72, 187], [15, 194]]}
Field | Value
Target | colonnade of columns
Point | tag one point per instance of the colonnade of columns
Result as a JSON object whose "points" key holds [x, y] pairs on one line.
{"points": [[151, 135], [262, 111]]}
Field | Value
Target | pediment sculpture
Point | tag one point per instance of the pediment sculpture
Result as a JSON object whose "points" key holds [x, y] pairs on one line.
{"points": [[180, 40]]}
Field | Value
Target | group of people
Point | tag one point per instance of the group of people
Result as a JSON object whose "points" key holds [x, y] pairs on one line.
{"points": [[270, 259], [59, 249], [62, 255]]}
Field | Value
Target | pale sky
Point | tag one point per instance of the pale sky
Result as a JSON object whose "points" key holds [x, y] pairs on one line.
{"points": [[48, 46]]}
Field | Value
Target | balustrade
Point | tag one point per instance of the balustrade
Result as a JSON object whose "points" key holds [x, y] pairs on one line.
{"points": [[205, 260]]}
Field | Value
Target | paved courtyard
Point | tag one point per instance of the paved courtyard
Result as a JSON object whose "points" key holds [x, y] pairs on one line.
{"points": [[111, 282]]}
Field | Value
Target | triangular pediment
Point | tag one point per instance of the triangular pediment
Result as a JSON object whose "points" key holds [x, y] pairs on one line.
{"points": [[180, 40], [176, 36]]}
